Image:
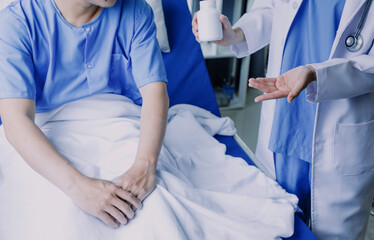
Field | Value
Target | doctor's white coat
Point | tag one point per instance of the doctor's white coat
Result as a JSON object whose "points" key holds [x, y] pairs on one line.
{"points": [[342, 185]]}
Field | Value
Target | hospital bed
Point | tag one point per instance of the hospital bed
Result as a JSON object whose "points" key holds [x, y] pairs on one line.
{"points": [[189, 83]]}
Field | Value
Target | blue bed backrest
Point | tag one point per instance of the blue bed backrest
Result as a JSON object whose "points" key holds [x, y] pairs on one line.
{"points": [[188, 77]]}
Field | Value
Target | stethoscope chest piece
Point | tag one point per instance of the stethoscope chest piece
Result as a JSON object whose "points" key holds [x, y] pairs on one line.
{"points": [[353, 43]]}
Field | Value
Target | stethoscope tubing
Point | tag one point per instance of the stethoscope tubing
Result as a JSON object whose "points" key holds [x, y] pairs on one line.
{"points": [[363, 18]]}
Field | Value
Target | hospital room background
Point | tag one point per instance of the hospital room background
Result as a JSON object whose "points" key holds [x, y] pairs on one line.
{"points": [[229, 77]]}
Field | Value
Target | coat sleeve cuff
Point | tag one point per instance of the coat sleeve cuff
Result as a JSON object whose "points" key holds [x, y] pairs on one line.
{"points": [[241, 49], [311, 92], [316, 90]]}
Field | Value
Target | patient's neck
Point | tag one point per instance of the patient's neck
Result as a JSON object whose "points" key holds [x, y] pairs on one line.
{"points": [[78, 12]]}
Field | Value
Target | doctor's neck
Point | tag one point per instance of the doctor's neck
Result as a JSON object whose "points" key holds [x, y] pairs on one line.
{"points": [[79, 12]]}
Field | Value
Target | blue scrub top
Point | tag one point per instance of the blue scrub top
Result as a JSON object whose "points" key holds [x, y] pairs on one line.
{"points": [[310, 40], [45, 58]]}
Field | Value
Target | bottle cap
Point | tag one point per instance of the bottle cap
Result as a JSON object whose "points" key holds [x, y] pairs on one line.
{"points": [[207, 4]]}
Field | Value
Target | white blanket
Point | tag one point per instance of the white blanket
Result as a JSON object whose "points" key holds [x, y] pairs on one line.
{"points": [[201, 193]]}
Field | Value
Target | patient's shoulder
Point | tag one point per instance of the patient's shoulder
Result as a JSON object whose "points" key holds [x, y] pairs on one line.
{"points": [[23, 13], [11, 12], [23, 10], [14, 30], [22, 21], [135, 8], [142, 9]]}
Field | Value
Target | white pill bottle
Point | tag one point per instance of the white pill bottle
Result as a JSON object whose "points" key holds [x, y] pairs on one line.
{"points": [[209, 25]]}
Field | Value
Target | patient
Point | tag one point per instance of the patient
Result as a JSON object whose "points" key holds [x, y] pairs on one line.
{"points": [[73, 74], [55, 52]]}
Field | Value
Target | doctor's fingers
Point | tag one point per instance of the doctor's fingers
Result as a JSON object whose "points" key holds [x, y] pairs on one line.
{"points": [[268, 80], [263, 84], [195, 32], [225, 22], [194, 19], [273, 95]]}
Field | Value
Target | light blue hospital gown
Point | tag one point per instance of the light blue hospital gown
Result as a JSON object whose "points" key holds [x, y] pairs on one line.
{"points": [[309, 41], [45, 58]]}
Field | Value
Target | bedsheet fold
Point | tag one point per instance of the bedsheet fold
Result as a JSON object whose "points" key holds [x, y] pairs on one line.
{"points": [[201, 193]]}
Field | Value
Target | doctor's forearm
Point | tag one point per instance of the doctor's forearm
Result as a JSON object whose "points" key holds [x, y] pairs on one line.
{"points": [[344, 78], [153, 122]]}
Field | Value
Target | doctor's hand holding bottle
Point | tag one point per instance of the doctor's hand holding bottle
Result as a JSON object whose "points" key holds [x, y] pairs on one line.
{"points": [[288, 85], [230, 36]]}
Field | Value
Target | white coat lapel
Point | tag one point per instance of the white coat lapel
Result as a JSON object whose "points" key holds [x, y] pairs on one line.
{"points": [[350, 10], [290, 8]]}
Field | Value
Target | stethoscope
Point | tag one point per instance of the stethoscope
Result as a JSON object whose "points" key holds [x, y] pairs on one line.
{"points": [[355, 42]]}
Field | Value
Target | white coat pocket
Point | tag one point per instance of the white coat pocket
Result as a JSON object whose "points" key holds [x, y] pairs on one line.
{"points": [[354, 148]]}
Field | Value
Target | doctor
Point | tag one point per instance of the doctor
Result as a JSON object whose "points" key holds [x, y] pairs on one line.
{"points": [[330, 136]]}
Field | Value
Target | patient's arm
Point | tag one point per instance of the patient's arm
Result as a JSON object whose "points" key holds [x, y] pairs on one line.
{"points": [[102, 199], [140, 178]]}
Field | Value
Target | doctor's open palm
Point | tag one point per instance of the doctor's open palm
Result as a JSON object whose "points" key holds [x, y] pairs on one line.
{"points": [[289, 84]]}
